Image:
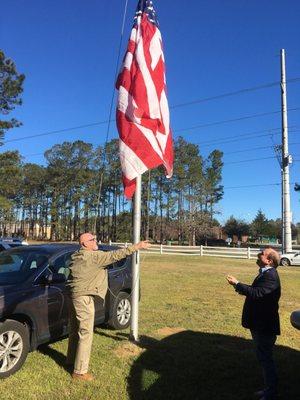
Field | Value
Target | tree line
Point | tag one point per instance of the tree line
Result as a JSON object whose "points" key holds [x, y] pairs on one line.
{"points": [[80, 189], [259, 228]]}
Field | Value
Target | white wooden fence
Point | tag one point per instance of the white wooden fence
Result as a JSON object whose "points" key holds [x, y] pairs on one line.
{"points": [[228, 252]]}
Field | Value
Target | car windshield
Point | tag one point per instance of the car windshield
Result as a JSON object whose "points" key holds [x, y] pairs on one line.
{"points": [[17, 265]]}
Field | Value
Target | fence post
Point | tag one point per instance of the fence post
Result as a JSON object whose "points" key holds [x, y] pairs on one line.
{"points": [[248, 253], [201, 250], [161, 249], [126, 245], [109, 242]]}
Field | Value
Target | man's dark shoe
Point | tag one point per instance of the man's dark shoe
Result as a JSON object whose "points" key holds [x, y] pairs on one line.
{"points": [[69, 364], [83, 377], [69, 367]]}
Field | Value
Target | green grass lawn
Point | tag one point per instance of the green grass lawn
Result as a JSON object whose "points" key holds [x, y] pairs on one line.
{"points": [[192, 344]]}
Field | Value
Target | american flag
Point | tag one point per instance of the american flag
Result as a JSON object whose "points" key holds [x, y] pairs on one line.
{"points": [[143, 118]]}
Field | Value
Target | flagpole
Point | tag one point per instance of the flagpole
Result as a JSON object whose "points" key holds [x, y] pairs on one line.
{"points": [[134, 326]]}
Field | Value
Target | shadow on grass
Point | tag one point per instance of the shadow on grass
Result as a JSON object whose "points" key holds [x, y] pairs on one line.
{"points": [[60, 358], [119, 336], [193, 365], [57, 356]]}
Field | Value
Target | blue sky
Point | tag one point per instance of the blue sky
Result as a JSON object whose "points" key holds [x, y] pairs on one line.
{"points": [[68, 51]]}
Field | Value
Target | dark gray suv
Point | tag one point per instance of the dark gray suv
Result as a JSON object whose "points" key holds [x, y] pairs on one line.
{"points": [[33, 307]]}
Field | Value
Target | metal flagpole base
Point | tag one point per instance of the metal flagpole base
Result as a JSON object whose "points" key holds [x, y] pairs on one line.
{"points": [[133, 340]]}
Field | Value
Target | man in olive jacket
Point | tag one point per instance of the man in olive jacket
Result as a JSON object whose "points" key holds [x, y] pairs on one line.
{"points": [[260, 315], [88, 278]]}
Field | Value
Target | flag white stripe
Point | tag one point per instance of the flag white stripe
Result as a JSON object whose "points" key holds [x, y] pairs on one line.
{"points": [[165, 114], [131, 164], [153, 102], [128, 60], [133, 34], [162, 140], [151, 138], [155, 49], [127, 105]]}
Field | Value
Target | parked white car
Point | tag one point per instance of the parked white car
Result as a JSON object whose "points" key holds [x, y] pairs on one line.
{"points": [[290, 258]]}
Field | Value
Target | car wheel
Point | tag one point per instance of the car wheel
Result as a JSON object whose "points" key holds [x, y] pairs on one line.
{"points": [[14, 347], [285, 262], [121, 312]]}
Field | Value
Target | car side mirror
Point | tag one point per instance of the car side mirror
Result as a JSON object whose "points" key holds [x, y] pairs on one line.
{"points": [[53, 278]]}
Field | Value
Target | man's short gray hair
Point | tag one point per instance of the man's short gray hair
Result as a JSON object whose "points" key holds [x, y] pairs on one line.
{"points": [[274, 257]]}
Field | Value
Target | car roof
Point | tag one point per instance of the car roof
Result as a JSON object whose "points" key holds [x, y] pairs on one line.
{"points": [[107, 247], [49, 249], [54, 248]]}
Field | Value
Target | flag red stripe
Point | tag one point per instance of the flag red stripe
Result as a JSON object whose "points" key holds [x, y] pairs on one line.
{"points": [[143, 85], [132, 135]]}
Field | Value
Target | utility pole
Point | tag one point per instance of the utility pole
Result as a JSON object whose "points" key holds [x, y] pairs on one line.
{"points": [[286, 159]]}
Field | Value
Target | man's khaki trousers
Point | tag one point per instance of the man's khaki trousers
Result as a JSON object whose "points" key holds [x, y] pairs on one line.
{"points": [[81, 328]]}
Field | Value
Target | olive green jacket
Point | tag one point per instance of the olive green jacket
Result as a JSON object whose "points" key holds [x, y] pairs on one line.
{"points": [[88, 275]]}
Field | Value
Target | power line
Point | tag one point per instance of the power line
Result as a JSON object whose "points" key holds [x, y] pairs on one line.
{"points": [[258, 185], [267, 85], [252, 159], [255, 148], [238, 138], [250, 186], [246, 90], [233, 120], [179, 130], [249, 160], [32, 155], [238, 92], [57, 131], [254, 88], [241, 137], [251, 149]]}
